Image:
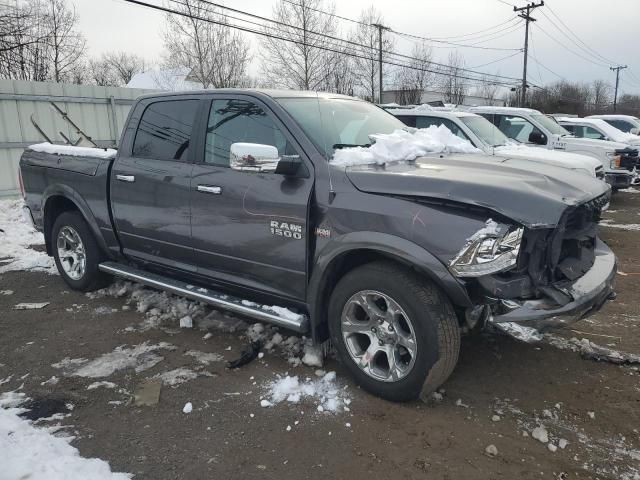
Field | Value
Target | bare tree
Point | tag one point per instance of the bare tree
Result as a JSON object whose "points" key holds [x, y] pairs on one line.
{"points": [[453, 86], [488, 89], [366, 69], [601, 94], [101, 73], [66, 44], [217, 56], [124, 65], [303, 60], [416, 77]]}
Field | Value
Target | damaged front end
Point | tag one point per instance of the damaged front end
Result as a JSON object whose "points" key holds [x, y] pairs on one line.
{"points": [[559, 275]]}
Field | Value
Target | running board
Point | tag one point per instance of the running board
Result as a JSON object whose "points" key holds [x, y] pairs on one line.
{"points": [[290, 320]]}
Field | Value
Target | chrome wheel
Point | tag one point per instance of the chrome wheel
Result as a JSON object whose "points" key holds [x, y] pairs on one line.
{"points": [[379, 336], [71, 253]]}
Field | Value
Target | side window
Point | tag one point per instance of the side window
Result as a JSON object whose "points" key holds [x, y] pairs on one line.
{"points": [[621, 125], [569, 128], [165, 130], [516, 127], [590, 132], [232, 121], [426, 122], [408, 120]]}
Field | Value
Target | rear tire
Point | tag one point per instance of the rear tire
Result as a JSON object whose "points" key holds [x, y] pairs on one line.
{"points": [[76, 253], [398, 306]]}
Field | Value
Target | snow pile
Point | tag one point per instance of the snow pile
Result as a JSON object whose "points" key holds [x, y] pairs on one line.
{"points": [[324, 392], [16, 237], [632, 227], [104, 153], [179, 376], [205, 358], [139, 357], [404, 145], [591, 350], [34, 453]]}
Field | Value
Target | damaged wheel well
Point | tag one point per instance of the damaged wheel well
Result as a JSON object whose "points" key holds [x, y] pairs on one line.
{"points": [[339, 267]]}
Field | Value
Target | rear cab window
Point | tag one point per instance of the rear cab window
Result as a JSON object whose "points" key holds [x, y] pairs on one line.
{"points": [[165, 129]]}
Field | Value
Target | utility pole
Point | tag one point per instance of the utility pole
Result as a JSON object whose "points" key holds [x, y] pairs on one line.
{"points": [[380, 28], [528, 18], [615, 95]]}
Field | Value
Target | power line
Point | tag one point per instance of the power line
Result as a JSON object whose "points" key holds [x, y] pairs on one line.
{"points": [[321, 47], [456, 37], [578, 38], [498, 60], [460, 45], [568, 49], [368, 48]]}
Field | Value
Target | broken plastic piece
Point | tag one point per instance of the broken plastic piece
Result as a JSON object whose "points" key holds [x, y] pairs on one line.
{"points": [[247, 356]]}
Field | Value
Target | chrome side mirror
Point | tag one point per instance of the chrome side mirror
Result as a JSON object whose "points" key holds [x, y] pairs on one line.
{"points": [[253, 157]]}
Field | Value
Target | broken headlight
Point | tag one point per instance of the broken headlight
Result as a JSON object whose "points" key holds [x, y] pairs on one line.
{"points": [[488, 253]]}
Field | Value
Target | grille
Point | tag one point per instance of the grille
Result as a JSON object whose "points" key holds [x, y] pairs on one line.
{"points": [[572, 249]]}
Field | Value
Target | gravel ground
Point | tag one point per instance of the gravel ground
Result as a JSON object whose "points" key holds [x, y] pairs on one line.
{"points": [[499, 393]]}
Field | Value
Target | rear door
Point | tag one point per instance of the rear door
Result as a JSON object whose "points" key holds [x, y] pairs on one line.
{"points": [[150, 184], [249, 228]]}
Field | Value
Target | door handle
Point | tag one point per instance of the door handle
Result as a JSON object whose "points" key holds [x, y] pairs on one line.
{"points": [[209, 189], [126, 178]]}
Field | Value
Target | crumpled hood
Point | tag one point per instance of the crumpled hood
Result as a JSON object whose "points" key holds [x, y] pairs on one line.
{"points": [[532, 194], [550, 157]]}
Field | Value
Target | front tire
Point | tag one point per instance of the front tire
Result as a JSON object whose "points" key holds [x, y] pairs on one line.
{"points": [[396, 332], [76, 253]]}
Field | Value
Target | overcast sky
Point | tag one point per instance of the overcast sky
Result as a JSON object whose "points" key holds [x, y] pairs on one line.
{"points": [[610, 28]]}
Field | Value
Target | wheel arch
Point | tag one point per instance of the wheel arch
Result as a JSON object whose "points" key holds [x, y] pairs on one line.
{"points": [[355, 249], [62, 198]]}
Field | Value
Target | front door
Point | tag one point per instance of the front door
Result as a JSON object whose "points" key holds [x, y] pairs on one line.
{"points": [[150, 186], [247, 227]]}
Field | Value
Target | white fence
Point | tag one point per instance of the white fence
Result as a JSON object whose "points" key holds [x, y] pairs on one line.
{"points": [[99, 111]]}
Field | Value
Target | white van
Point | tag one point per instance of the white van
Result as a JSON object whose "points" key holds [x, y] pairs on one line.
{"points": [[533, 128], [484, 135]]}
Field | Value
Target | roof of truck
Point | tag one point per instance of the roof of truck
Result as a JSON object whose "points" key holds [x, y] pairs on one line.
{"points": [[260, 91], [431, 113], [505, 110]]}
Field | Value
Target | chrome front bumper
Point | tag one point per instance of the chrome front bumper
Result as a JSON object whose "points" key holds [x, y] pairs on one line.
{"points": [[588, 294]]}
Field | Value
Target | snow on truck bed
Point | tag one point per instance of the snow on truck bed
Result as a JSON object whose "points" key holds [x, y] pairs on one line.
{"points": [[404, 145], [104, 153]]}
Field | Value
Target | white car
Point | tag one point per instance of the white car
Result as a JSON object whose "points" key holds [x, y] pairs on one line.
{"points": [[625, 123], [533, 128], [598, 129], [484, 135]]}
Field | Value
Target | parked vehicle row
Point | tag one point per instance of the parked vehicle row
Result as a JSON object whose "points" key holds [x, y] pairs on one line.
{"points": [[231, 195]]}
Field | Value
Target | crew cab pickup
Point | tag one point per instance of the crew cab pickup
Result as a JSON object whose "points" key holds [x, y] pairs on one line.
{"points": [[536, 129], [231, 195], [485, 136]]}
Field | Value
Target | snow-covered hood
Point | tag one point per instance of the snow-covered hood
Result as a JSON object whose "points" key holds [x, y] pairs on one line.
{"points": [[535, 196], [590, 143], [573, 161]]}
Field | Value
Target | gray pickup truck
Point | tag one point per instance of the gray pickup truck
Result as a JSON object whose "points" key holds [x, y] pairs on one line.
{"points": [[225, 196]]}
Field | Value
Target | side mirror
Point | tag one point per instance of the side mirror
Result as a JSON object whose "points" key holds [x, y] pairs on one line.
{"points": [[253, 157], [635, 131], [537, 138]]}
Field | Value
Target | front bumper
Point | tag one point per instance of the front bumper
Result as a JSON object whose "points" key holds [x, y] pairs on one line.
{"points": [[619, 180], [588, 294]]}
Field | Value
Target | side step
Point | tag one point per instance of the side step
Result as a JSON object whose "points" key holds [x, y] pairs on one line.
{"points": [[293, 321]]}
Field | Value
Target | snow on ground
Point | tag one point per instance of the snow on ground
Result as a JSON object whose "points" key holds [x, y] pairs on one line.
{"points": [[609, 457], [205, 358], [46, 147], [324, 392], [180, 375], [591, 350], [621, 226], [404, 145], [16, 238], [164, 310], [27, 452], [139, 357]]}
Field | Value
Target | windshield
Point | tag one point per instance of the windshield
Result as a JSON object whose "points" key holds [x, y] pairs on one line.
{"points": [[486, 131], [340, 122], [551, 125]]}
